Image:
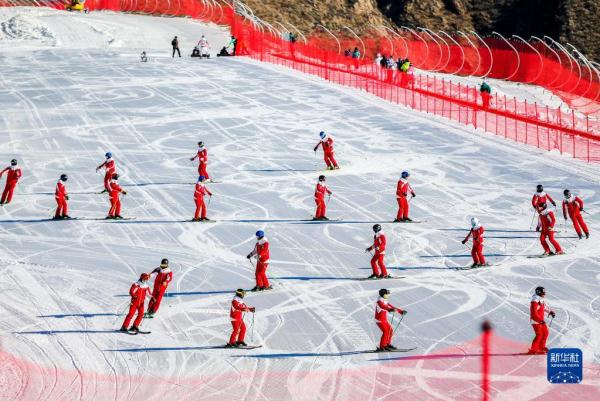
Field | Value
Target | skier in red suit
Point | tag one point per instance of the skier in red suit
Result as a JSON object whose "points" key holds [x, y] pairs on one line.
{"points": [[402, 191], [236, 314], [382, 307], [328, 154], [320, 192], [379, 243], [164, 276], [13, 174], [110, 169], [61, 197], [547, 221], [538, 310], [573, 206], [540, 197], [477, 231], [138, 291], [201, 190], [261, 251], [202, 156], [114, 193]]}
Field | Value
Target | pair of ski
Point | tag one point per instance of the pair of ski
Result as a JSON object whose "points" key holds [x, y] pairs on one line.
{"points": [[379, 278], [134, 333], [545, 256], [368, 351]]}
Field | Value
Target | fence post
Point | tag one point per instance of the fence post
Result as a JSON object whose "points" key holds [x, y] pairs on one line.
{"points": [[505, 119]]}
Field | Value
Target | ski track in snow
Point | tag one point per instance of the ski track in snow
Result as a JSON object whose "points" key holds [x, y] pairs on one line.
{"points": [[64, 284]]}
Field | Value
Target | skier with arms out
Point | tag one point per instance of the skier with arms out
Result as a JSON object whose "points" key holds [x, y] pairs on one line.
{"points": [[382, 307], [327, 143], [202, 156], [114, 193], [164, 276], [547, 221], [320, 191], [110, 169], [236, 314], [261, 251], [201, 190], [377, 264], [402, 191], [538, 309], [138, 292], [540, 197], [61, 197], [13, 174], [573, 206], [477, 231]]}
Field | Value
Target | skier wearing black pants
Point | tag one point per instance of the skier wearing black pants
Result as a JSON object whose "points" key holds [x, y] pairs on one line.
{"points": [[175, 44]]}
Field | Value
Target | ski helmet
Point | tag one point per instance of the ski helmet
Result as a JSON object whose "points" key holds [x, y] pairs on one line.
{"points": [[108, 155], [201, 178], [13, 162], [539, 188], [540, 291], [164, 263], [200, 144], [474, 221], [240, 292], [63, 177], [144, 277], [567, 193], [322, 134], [377, 228], [115, 176], [383, 292], [260, 234], [405, 174], [322, 178]]}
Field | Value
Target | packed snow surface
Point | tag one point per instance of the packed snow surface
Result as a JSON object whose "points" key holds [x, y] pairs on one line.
{"points": [[64, 284]]}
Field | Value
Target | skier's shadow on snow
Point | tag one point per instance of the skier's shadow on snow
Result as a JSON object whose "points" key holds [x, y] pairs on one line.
{"points": [[302, 354], [464, 255], [443, 356], [304, 278], [157, 349], [280, 170], [405, 268], [179, 294], [491, 230], [52, 332], [84, 315]]}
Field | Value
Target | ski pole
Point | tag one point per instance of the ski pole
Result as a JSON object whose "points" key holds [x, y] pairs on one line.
{"points": [[398, 324], [532, 220], [586, 212], [551, 320], [208, 204], [252, 328], [328, 199]]}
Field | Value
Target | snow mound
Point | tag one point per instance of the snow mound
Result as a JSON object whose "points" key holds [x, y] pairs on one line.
{"points": [[24, 28]]}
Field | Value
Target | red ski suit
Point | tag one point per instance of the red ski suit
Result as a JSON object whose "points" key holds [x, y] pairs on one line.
{"points": [[477, 250], [114, 190], [161, 282], [573, 206], [541, 197], [537, 314], [138, 291], [379, 243], [547, 220], [110, 168], [60, 194], [401, 196], [201, 190], [382, 307], [13, 173], [202, 156], [328, 154], [261, 250], [236, 313], [320, 191]]}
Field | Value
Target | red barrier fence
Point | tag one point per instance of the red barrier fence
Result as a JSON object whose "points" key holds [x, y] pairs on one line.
{"points": [[528, 123]]}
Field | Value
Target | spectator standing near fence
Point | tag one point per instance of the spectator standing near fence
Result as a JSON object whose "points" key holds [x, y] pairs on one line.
{"points": [[175, 44], [485, 91]]}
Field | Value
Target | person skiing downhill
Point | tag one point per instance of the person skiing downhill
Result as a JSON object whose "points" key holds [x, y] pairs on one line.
{"points": [[547, 221], [236, 314], [477, 231], [382, 307], [202, 156], [320, 191], [114, 191], [201, 190], [377, 264], [573, 206], [538, 309], [328, 154], [402, 191], [138, 292], [164, 276], [13, 174], [261, 251], [61, 197], [110, 169], [540, 197]]}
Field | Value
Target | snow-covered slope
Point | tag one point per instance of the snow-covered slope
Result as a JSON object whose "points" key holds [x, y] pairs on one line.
{"points": [[64, 284]]}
